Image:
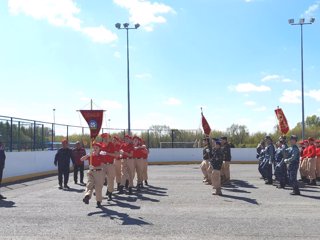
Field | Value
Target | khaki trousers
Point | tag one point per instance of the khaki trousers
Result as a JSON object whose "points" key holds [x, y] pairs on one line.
{"points": [[311, 166], [204, 166], [95, 181], [318, 167], [216, 179], [303, 168], [145, 170], [117, 167], [110, 172], [139, 164], [225, 170], [127, 171]]}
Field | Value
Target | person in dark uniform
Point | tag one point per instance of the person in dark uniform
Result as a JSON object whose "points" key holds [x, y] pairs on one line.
{"points": [[216, 163], [268, 160], [226, 151], [62, 160], [77, 153], [2, 163], [280, 168], [292, 160], [260, 156]]}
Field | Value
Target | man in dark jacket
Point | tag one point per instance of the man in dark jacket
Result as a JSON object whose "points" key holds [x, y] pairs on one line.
{"points": [[62, 160], [226, 151], [2, 163], [216, 163], [77, 153]]}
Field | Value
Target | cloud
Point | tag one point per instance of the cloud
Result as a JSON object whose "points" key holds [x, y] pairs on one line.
{"points": [[99, 34], [275, 77], [315, 94], [249, 87], [60, 13], [260, 109], [146, 13], [310, 12], [111, 104], [117, 54], [291, 96], [250, 103], [173, 102], [143, 76]]}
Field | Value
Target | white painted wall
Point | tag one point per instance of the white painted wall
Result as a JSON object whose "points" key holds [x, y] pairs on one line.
{"points": [[22, 163]]}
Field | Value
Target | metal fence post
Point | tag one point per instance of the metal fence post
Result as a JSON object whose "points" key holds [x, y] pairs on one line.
{"points": [[67, 133], [19, 137], [11, 134], [52, 136], [34, 135]]}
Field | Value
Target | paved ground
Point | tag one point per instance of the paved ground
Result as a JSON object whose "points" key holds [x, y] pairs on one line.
{"points": [[176, 206]]}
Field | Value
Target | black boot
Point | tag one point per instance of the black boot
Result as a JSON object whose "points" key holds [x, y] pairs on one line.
{"points": [[2, 197], [139, 187], [127, 184], [86, 199], [98, 204], [146, 183], [130, 190], [109, 194], [269, 182], [295, 192], [120, 190], [313, 182], [118, 185]]}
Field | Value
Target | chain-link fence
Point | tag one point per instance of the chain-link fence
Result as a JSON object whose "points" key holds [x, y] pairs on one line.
{"points": [[19, 134]]}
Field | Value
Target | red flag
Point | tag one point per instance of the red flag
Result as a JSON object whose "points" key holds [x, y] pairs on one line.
{"points": [[94, 120], [205, 125], [283, 123]]}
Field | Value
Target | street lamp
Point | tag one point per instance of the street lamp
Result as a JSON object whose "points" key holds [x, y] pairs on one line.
{"points": [[125, 26], [302, 22]]}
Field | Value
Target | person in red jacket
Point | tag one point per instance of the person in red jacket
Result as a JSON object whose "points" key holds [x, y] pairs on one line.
{"points": [[109, 169], [95, 174], [311, 162], [303, 161], [139, 155], [127, 164], [318, 159], [117, 142]]}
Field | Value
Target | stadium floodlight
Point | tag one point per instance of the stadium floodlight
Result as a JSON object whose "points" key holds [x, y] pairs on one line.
{"points": [[301, 23], [137, 25], [126, 27], [291, 21]]}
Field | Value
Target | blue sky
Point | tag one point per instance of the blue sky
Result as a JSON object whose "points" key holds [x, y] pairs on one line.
{"points": [[238, 59]]}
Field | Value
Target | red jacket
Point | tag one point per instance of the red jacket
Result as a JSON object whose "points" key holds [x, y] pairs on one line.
{"points": [[140, 153], [78, 153], [304, 153], [311, 151], [318, 152], [97, 160], [127, 148], [109, 148]]}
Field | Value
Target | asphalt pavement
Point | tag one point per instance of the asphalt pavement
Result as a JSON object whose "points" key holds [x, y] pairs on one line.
{"points": [[176, 205]]}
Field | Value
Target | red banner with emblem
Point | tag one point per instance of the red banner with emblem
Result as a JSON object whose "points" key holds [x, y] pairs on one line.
{"points": [[283, 123], [205, 125], [94, 120]]}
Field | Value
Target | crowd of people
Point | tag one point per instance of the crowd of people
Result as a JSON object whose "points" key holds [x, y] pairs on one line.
{"points": [[216, 163], [279, 163], [112, 160]]}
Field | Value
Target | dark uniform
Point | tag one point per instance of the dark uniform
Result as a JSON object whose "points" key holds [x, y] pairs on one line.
{"points": [[280, 169], [216, 164], [293, 165], [226, 151], [62, 159], [77, 153], [260, 156], [268, 160], [2, 164]]}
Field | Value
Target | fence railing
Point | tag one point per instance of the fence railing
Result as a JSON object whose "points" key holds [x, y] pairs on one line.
{"points": [[20, 134]]}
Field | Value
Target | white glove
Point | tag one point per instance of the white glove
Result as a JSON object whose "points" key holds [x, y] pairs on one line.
{"points": [[207, 150], [270, 162], [286, 161]]}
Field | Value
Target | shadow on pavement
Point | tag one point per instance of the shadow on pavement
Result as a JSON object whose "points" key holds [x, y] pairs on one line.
{"points": [[144, 198], [245, 199], [156, 188], [7, 204], [308, 190], [114, 215], [241, 183], [312, 197], [235, 190], [74, 190], [123, 205]]}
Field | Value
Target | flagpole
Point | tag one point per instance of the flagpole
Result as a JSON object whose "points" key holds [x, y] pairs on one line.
{"points": [[90, 162]]}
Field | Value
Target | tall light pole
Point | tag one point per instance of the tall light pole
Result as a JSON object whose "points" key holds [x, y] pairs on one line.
{"points": [[125, 26], [302, 22], [54, 125]]}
